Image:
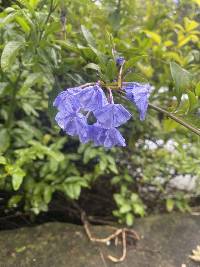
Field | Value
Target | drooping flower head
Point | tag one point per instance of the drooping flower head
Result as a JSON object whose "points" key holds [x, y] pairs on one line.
{"points": [[76, 104], [86, 112]]}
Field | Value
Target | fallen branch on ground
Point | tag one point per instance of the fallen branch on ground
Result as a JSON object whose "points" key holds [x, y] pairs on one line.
{"points": [[119, 232]]}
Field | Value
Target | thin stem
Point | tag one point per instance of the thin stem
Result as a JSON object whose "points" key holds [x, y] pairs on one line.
{"points": [[175, 118], [12, 102], [111, 100], [51, 9]]}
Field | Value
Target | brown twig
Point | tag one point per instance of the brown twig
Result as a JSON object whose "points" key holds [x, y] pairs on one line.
{"points": [[122, 258], [123, 232]]}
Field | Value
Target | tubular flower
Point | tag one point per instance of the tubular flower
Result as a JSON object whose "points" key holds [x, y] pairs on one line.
{"points": [[106, 137], [138, 93]]}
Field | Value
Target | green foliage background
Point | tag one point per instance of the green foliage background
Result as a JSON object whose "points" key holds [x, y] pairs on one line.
{"points": [[44, 49]]}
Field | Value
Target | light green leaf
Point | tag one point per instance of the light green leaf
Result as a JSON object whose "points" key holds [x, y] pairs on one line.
{"points": [[9, 54], [170, 204], [138, 209], [34, 3], [119, 199], [125, 208], [193, 100], [129, 219], [17, 178], [182, 79], [154, 36], [22, 22], [197, 89]]}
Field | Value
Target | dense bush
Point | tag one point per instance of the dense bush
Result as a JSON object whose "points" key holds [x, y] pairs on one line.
{"points": [[45, 50]]}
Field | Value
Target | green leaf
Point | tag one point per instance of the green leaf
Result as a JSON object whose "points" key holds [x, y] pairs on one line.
{"points": [[7, 19], [17, 178], [93, 66], [119, 199], [154, 36], [129, 219], [3, 85], [2, 160], [72, 190], [170, 204], [31, 80], [111, 70], [88, 36], [34, 3], [197, 89], [193, 100], [101, 57], [48, 194], [14, 200], [26, 3], [181, 77], [125, 208], [22, 22], [132, 62], [53, 28], [4, 140], [10, 53], [138, 209], [69, 46]]}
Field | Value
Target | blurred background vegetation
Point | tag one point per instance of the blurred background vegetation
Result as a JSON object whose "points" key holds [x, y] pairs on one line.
{"points": [[48, 46]]}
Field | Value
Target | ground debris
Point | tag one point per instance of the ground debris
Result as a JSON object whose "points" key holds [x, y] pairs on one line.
{"points": [[195, 254]]}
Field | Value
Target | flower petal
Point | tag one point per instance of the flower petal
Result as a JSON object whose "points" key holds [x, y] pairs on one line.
{"points": [[74, 124], [113, 138], [66, 100], [92, 98], [112, 115], [106, 137], [139, 94]]}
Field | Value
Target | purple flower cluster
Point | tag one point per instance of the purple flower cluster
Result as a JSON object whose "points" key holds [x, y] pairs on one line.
{"points": [[76, 106]]}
